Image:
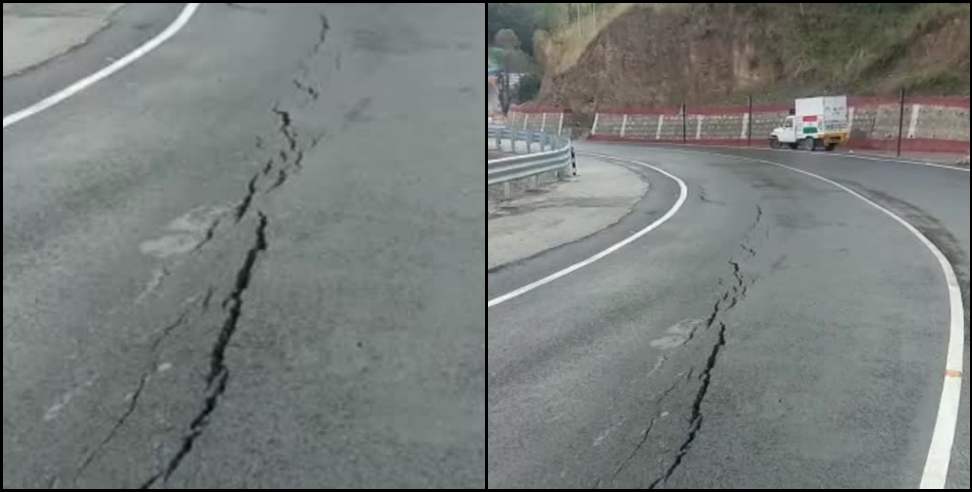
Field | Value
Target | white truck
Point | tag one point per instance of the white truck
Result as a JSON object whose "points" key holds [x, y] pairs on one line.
{"points": [[814, 123]]}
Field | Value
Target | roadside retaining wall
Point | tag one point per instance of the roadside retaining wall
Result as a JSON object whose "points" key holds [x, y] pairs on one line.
{"points": [[929, 124]]}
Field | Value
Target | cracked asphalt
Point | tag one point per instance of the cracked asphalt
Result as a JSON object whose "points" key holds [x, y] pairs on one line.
{"points": [[776, 332], [251, 258]]}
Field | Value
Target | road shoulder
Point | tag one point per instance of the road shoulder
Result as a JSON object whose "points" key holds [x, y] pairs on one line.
{"points": [[562, 212]]}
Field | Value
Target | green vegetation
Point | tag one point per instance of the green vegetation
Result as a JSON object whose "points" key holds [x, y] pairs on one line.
{"points": [[776, 51], [529, 87], [510, 33], [862, 47], [524, 19]]}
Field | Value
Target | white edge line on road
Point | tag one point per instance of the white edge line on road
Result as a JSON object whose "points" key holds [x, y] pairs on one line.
{"points": [[817, 154], [683, 193], [80, 85], [900, 161], [939, 451], [935, 471]]}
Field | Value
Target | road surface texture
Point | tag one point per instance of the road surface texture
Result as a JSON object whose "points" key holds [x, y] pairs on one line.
{"points": [[253, 257], [776, 331], [560, 212]]}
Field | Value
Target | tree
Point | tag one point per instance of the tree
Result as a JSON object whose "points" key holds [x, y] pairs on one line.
{"points": [[508, 41], [524, 19], [528, 88]]}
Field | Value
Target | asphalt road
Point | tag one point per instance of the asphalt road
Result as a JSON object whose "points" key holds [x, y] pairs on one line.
{"points": [[775, 332], [252, 258]]}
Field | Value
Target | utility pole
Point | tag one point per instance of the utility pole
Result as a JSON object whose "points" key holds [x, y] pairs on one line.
{"points": [[504, 89], [577, 18], [593, 18]]}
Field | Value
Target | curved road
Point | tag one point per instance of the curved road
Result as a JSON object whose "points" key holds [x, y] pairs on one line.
{"points": [[245, 259], [776, 331]]}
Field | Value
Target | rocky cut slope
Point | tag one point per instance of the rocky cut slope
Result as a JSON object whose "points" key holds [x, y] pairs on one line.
{"points": [[661, 54]]}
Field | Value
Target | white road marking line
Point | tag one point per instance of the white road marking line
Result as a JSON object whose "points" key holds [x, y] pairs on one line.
{"points": [[935, 471], [939, 451], [683, 193], [900, 161], [82, 84], [817, 154]]}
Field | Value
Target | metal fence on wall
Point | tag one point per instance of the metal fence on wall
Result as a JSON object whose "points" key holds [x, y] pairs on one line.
{"points": [[895, 124]]}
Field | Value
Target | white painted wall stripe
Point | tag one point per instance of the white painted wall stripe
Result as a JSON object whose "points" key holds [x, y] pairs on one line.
{"points": [[850, 119], [745, 125], [624, 124], [682, 194], [594, 126], [661, 121], [913, 123], [86, 82], [526, 118], [543, 121], [698, 126], [560, 125]]}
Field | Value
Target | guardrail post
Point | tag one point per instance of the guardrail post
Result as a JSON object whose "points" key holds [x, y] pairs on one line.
{"points": [[506, 190], [529, 139], [573, 158]]}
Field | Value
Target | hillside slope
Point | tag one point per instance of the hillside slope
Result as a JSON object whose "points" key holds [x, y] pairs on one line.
{"points": [[660, 54]]}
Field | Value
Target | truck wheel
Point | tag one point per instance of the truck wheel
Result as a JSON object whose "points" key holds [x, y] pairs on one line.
{"points": [[831, 147], [808, 144], [774, 143]]}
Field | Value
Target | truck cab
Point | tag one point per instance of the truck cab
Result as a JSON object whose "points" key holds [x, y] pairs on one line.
{"points": [[784, 135]]}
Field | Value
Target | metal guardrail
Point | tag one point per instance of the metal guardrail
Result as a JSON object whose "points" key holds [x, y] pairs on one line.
{"points": [[559, 157]]}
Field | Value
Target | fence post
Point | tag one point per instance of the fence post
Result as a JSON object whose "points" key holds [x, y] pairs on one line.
{"points": [[749, 122], [900, 118], [529, 140], [683, 122]]}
